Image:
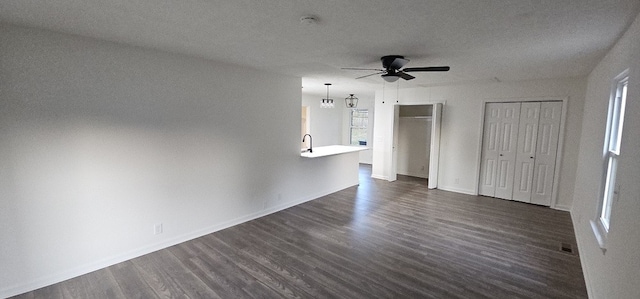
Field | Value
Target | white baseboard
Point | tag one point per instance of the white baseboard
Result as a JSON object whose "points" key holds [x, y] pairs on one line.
{"points": [[380, 177], [415, 174], [109, 261], [457, 190], [562, 208]]}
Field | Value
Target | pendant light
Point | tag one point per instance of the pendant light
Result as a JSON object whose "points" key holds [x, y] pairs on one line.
{"points": [[351, 101], [327, 102]]}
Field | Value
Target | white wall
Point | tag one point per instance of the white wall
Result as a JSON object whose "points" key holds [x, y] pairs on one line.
{"points": [[613, 274], [461, 127], [326, 123], [99, 142], [414, 140]]}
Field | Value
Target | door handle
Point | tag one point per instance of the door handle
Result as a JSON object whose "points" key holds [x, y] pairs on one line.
{"points": [[531, 157], [500, 155]]}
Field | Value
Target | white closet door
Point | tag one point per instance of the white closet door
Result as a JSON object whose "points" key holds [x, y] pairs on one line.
{"points": [[525, 156], [509, 120], [546, 148], [490, 146]]}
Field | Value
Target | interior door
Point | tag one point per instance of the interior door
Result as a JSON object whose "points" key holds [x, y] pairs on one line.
{"points": [[508, 134], [526, 151], [546, 149]]}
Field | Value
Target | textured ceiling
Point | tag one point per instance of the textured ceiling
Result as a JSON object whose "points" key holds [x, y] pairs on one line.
{"points": [[481, 40]]}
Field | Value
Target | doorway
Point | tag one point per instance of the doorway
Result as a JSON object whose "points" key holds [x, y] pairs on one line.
{"points": [[416, 142]]}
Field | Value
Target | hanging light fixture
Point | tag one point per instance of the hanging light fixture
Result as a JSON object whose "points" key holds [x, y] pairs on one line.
{"points": [[351, 101], [327, 103]]}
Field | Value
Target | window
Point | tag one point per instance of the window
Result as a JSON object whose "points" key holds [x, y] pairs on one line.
{"points": [[359, 121], [613, 137]]}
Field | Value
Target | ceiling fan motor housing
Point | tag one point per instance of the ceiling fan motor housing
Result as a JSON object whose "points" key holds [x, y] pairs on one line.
{"points": [[387, 61]]}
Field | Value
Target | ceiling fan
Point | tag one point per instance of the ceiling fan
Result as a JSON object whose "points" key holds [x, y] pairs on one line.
{"points": [[393, 70]]}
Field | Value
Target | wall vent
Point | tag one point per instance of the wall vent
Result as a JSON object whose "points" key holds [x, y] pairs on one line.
{"points": [[566, 247]]}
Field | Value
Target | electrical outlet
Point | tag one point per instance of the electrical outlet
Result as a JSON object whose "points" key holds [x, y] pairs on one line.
{"points": [[457, 181], [157, 229]]}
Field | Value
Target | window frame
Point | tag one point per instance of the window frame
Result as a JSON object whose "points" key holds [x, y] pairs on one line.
{"points": [[611, 153], [352, 126]]}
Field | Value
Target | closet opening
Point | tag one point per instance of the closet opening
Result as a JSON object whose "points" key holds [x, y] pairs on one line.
{"points": [[416, 142]]}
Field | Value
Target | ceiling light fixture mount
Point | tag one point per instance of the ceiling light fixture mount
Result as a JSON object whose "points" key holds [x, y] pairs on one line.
{"points": [[308, 20], [327, 102]]}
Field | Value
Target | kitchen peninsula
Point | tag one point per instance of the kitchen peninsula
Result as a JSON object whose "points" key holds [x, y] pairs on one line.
{"points": [[330, 150]]}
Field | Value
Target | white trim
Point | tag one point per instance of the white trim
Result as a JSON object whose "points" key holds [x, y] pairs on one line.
{"points": [[380, 177], [457, 190], [559, 155], [390, 157], [600, 233], [395, 126], [562, 208], [351, 126], [415, 174], [599, 228], [434, 150], [479, 147]]}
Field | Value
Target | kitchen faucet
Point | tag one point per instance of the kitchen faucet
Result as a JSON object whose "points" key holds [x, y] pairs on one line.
{"points": [[310, 142]]}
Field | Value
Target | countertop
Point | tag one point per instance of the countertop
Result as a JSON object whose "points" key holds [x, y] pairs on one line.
{"points": [[329, 150]]}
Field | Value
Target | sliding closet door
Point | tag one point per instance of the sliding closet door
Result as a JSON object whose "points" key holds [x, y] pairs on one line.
{"points": [[546, 148], [526, 152], [499, 149]]}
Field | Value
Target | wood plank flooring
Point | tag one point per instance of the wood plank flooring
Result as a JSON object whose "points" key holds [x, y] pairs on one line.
{"points": [[377, 240]]}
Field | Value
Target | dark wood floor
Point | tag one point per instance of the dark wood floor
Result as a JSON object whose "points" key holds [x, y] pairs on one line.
{"points": [[377, 240]]}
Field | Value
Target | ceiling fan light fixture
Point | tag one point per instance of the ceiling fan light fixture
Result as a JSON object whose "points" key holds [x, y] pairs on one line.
{"points": [[390, 77]]}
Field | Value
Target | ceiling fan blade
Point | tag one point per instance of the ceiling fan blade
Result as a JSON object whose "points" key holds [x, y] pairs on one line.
{"points": [[427, 69], [398, 63], [405, 76], [378, 73], [360, 69]]}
